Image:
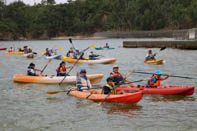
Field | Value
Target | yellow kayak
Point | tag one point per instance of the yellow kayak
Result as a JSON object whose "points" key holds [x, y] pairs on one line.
{"points": [[97, 61], [159, 61], [14, 53]]}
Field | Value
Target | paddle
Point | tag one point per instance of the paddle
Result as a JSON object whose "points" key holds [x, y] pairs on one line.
{"points": [[163, 48], [46, 65], [167, 75], [105, 98], [91, 46], [71, 43], [55, 92]]}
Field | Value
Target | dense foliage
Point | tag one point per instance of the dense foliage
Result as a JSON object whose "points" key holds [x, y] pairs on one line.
{"points": [[88, 16]]}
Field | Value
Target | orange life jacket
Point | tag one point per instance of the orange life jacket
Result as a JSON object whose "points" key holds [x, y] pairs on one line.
{"points": [[155, 81]]}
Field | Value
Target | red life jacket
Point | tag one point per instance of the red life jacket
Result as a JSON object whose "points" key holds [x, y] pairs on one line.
{"points": [[61, 69]]}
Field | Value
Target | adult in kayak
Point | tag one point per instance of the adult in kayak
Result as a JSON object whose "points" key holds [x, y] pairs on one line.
{"points": [[155, 80], [106, 45], [83, 83], [93, 56], [47, 52], [11, 49], [31, 70], [150, 56], [118, 78], [61, 70]]}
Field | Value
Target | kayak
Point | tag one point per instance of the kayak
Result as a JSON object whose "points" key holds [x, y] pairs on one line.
{"points": [[127, 98], [14, 53], [3, 48], [101, 48], [98, 61], [22, 78], [159, 61], [169, 90], [52, 57]]}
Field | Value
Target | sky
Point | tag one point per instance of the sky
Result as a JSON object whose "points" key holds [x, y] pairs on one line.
{"points": [[31, 2]]}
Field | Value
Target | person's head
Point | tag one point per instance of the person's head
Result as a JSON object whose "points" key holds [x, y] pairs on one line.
{"points": [[158, 73], [149, 51], [83, 72], [115, 68], [91, 52], [77, 50], [106, 43], [62, 63], [47, 49], [25, 47], [109, 81], [32, 65]]}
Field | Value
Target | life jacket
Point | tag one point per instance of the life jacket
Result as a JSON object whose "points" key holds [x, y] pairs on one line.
{"points": [[150, 57], [154, 82], [117, 79], [112, 88], [82, 81], [30, 71], [59, 69]]}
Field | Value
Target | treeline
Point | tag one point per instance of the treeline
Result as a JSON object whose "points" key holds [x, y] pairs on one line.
{"points": [[89, 16]]}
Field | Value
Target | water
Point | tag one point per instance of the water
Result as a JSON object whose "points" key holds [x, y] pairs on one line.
{"points": [[27, 107]]}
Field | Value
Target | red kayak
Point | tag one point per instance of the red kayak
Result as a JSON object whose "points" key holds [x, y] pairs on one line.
{"points": [[127, 98], [169, 90], [3, 48]]}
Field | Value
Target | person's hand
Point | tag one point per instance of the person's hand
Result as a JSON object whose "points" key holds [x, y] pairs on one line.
{"points": [[77, 73]]}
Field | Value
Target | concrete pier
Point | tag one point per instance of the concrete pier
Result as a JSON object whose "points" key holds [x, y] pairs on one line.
{"points": [[192, 45]]}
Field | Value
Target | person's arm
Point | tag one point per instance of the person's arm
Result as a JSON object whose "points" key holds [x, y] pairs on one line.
{"points": [[37, 70], [165, 77], [89, 84]]}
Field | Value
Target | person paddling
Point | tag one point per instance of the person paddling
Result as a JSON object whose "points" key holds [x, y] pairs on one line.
{"points": [[150, 56], [110, 87], [106, 45], [31, 70], [71, 53], [47, 53], [155, 80], [118, 78], [93, 56], [83, 82], [61, 70]]}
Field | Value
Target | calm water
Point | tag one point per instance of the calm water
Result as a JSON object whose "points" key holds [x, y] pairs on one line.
{"points": [[26, 107]]}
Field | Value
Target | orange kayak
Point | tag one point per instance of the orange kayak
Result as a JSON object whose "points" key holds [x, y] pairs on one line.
{"points": [[168, 90], [127, 98], [22, 78]]}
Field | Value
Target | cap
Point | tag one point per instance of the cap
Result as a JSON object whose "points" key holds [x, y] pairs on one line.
{"points": [[32, 64], [115, 66], [83, 71], [158, 72]]}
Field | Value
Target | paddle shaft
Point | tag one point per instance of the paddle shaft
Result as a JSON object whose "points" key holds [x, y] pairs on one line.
{"points": [[46, 66], [71, 43], [166, 75]]}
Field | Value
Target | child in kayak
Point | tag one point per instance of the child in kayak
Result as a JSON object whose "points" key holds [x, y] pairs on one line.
{"points": [[61, 70], [155, 80], [150, 56], [83, 82], [118, 78], [31, 70]]}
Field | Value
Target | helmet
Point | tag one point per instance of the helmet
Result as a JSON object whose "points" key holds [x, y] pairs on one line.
{"points": [[83, 71], [158, 72], [109, 79], [115, 66]]}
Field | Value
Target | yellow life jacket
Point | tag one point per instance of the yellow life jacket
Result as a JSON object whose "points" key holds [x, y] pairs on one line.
{"points": [[112, 88]]}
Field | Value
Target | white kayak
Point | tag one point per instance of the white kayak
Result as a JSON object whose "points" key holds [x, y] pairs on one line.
{"points": [[52, 57]]}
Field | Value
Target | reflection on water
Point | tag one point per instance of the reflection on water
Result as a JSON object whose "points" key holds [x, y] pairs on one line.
{"points": [[123, 109], [170, 98]]}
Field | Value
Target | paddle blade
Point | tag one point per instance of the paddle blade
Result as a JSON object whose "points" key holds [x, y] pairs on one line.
{"points": [[70, 40], [49, 61], [130, 73], [60, 48], [92, 46], [54, 92], [163, 48]]}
